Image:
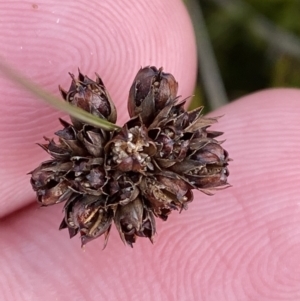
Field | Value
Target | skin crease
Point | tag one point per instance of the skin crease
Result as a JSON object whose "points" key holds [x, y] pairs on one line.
{"points": [[241, 244]]}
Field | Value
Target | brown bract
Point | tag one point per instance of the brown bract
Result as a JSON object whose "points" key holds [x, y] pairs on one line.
{"points": [[128, 177]]}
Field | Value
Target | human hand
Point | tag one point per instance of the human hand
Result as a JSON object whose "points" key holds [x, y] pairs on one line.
{"points": [[241, 244]]}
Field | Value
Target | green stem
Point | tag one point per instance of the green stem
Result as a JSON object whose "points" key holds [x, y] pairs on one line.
{"points": [[54, 101]]}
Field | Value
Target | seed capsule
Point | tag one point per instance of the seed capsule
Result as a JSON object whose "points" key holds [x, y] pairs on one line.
{"points": [[90, 96], [150, 92], [134, 220]]}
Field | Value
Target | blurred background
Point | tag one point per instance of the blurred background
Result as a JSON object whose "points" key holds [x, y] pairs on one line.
{"points": [[244, 46]]}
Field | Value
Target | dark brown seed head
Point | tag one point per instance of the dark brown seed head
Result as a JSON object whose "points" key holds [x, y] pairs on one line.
{"points": [[146, 169]]}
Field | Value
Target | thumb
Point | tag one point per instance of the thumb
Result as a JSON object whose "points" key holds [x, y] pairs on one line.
{"points": [[45, 41], [241, 244]]}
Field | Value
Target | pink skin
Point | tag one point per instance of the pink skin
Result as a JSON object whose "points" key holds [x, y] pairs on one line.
{"points": [[241, 244]]}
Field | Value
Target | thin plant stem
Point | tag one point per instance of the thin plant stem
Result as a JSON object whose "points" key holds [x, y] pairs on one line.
{"points": [[280, 39], [54, 101], [208, 66]]}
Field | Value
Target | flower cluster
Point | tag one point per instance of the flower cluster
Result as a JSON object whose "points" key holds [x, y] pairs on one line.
{"points": [[128, 177]]}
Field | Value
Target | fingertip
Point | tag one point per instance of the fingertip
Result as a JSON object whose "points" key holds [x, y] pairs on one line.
{"points": [[261, 132], [112, 38]]}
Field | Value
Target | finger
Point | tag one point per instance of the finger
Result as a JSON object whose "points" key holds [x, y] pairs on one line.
{"points": [[241, 244], [47, 40]]}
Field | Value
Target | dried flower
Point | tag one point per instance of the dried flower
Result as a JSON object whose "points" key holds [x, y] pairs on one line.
{"points": [[128, 177]]}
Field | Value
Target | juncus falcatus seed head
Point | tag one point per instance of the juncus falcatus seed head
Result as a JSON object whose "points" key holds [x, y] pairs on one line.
{"points": [[146, 169]]}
